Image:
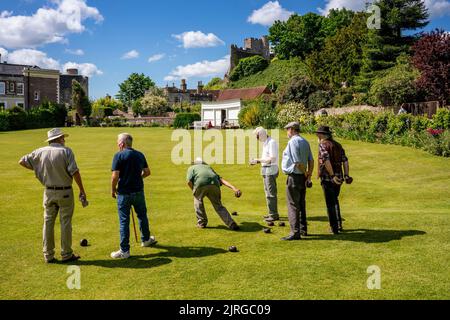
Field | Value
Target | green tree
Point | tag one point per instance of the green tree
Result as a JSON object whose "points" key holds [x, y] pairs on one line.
{"points": [[134, 88], [298, 36], [248, 67], [154, 105], [104, 107], [396, 86], [80, 102], [341, 58], [215, 84], [336, 19], [401, 15]]}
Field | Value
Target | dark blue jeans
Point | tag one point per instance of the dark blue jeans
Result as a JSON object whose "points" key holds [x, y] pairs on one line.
{"points": [[124, 203]]}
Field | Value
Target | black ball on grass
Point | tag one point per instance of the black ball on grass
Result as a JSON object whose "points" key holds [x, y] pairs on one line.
{"points": [[267, 230], [282, 224], [270, 224], [233, 249], [234, 213], [84, 243]]}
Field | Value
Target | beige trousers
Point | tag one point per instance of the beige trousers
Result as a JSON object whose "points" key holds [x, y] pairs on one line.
{"points": [[212, 192], [62, 202]]}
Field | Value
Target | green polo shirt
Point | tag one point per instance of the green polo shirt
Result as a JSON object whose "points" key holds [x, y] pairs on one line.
{"points": [[202, 175]]}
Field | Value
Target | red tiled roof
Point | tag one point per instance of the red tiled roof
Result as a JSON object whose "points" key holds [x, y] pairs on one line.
{"points": [[244, 94]]}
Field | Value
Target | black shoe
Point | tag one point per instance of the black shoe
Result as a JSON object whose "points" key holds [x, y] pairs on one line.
{"points": [[235, 227], [292, 238], [73, 258], [52, 261], [334, 231], [272, 219], [304, 233]]}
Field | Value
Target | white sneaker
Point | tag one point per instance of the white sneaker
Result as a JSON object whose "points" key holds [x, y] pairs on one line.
{"points": [[150, 242], [120, 255]]}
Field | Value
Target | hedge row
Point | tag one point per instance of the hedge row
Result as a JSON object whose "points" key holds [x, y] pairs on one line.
{"points": [[45, 116]]}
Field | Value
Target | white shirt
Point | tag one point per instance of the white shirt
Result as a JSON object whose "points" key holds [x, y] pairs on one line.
{"points": [[270, 152]]}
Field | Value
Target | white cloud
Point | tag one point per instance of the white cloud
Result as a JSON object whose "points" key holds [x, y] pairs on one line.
{"points": [[38, 58], [77, 52], [31, 57], [269, 13], [201, 69], [85, 69], [198, 39], [133, 54], [156, 57], [46, 25], [357, 5], [437, 8]]}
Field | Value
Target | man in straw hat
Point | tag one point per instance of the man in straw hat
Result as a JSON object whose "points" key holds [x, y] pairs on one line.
{"points": [[269, 172], [205, 182], [298, 165], [333, 171], [55, 168]]}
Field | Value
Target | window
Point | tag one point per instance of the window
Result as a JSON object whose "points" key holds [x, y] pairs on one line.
{"points": [[20, 89], [2, 105], [36, 96], [2, 87], [11, 87]]}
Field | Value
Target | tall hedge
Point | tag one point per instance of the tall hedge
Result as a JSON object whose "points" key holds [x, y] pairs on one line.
{"points": [[184, 120]]}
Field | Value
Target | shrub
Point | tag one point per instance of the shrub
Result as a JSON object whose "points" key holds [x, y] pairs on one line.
{"points": [[258, 112], [4, 121], [297, 90], [184, 120], [319, 99], [395, 87], [292, 111], [248, 66], [441, 120]]}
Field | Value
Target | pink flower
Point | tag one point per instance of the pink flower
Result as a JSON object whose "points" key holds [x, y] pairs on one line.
{"points": [[435, 132]]}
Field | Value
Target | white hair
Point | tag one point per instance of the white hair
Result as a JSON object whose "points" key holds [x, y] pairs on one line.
{"points": [[126, 139]]}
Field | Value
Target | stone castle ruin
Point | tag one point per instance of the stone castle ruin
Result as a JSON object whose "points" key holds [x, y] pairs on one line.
{"points": [[252, 47]]}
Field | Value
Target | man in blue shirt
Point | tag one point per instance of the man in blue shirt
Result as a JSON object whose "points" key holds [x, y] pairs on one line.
{"points": [[298, 165], [129, 168]]}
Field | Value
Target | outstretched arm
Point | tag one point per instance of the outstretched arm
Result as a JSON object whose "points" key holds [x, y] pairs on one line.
{"points": [[25, 164]]}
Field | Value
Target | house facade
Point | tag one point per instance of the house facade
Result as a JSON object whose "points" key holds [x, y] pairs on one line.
{"points": [[29, 86], [176, 95]]}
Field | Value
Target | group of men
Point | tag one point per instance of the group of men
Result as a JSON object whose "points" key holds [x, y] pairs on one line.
{"points": [[297, 164], [55, 167]]}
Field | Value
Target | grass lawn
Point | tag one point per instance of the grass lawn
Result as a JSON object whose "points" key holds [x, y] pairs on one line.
{"points": [[397, 216]]}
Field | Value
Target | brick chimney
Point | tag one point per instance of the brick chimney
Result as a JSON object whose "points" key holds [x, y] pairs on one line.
{"points": [[200, 87], [183, 85]]}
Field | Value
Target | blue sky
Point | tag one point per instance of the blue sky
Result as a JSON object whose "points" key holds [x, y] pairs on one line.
{"points": [[166, 40]]}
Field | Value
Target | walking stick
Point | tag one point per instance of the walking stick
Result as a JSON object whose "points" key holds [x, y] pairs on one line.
{"points": [[134, 225]]}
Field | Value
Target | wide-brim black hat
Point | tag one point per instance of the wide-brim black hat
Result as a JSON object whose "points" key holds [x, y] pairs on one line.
{"points": [[324, 130]]}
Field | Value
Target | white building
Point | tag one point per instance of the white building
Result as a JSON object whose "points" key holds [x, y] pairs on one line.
{"points": [[221, 112]]}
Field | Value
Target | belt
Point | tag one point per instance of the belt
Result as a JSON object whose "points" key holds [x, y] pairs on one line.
{"points": [[59, 188]]}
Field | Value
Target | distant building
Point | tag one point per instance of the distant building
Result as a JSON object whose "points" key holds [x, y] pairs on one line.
{"points": [[12, 90], [28, 86], [65, 85], [176, 95], [252, 47]]}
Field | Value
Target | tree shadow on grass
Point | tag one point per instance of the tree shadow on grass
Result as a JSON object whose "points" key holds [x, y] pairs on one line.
{"points": [[245, 227], [155, 259], [368, 236]]}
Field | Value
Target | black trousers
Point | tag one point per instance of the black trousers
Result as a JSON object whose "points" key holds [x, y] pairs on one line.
{"points": [[331, 192], [296, 203]]}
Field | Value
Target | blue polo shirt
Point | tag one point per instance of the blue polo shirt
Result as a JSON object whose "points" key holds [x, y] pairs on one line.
{"points": [[298, 150], [130, 163]]}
